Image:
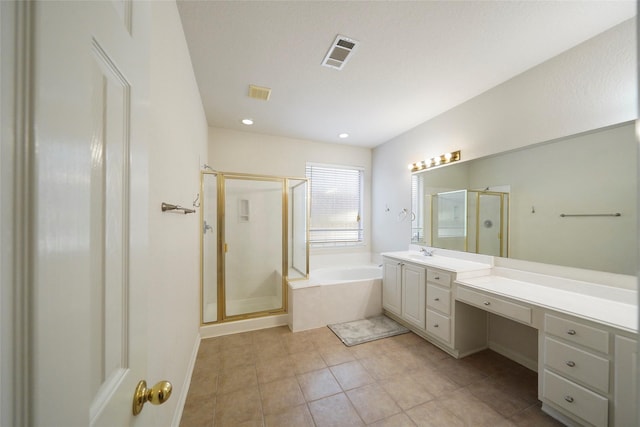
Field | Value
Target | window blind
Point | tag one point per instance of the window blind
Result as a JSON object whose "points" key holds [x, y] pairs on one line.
{"points": [[336, 205]]}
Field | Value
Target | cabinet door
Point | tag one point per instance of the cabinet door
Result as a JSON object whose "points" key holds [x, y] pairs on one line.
{"points": [[392, 286], [626, 371], [414, 295]]}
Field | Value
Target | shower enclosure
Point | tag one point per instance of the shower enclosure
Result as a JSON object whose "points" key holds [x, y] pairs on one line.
{"points": [[463, 220], [254, 238]]}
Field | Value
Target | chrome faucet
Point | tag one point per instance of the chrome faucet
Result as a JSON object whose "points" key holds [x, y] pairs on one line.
{"points": [[427, 252]]}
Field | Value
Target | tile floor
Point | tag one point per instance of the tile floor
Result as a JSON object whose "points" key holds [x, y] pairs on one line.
{"points": [[274, 377]]}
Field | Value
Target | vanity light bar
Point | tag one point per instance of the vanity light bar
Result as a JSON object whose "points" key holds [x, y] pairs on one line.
{"points": [[442, 159]]}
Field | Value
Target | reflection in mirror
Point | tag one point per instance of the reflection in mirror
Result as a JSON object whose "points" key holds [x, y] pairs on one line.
{"points": [[461, 220], [593, 173]]}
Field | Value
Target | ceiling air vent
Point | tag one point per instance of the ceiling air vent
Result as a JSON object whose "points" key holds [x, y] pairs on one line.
{"points": [[340, 52], [259, 92]]}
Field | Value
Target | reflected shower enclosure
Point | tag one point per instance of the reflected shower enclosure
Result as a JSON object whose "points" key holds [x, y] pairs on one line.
{"points": [[254, 239], [462, 220]]}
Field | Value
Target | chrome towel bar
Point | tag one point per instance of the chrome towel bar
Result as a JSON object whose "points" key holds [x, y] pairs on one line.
{"points": [[610, 214]]}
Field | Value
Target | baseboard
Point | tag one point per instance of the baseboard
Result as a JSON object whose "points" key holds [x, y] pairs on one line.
{"points": [[554, 413], [516, 357], [182, 399], [219, 329]]}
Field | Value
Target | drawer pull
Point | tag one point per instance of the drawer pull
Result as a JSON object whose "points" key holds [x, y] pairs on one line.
{"points": [[487, 303], [436, 278], [571, 332], [568, 399], [436, 299], [435, 326], [571, 363]]}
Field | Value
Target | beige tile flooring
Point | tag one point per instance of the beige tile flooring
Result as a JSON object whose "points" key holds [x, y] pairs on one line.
{"points": [[274, 377]]}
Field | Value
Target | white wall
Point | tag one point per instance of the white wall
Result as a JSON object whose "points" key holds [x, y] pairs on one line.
{"points": [[178, 142], [245, 152], [588, 87]]}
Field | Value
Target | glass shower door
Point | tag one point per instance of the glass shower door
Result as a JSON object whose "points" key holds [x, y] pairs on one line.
{"points": [[489, 224], [253, 245], [208, 251]]}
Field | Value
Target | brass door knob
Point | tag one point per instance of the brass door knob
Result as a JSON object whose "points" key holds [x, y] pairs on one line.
{"points": [[157, 395]]}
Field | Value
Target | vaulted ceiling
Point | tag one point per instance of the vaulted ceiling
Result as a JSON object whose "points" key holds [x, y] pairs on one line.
{"points": [[414, 59]]}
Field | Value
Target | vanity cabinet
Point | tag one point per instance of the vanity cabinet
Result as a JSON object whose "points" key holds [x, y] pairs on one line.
{"points": [[576, 371], [422, 299], [439, 305], [392, 286], [625, 377], [413, 295], [404, 291]]}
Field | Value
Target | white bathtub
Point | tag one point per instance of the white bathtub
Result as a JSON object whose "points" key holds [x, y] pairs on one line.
{"points": [[335, 295], [348, 274]]}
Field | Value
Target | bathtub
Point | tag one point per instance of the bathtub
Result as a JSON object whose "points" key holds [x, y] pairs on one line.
{"points": [[335, 295]]}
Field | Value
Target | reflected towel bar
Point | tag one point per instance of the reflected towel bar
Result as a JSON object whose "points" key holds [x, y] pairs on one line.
{"points": [[611, 214], [170, 207]]}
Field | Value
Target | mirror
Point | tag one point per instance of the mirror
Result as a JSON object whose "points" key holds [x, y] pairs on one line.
{"points": [[562, 199]]}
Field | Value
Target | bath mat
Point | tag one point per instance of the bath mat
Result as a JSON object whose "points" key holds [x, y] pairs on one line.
{"points": [[365, 330]]}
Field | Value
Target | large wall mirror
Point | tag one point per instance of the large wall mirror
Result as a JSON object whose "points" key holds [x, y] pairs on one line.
{"points": [[570, 202]]}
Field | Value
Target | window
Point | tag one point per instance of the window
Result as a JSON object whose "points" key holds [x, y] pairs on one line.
{"points": [[336, 205]]}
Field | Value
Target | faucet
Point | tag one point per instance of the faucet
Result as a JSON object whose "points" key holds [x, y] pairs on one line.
{"points": [[427, 252]]}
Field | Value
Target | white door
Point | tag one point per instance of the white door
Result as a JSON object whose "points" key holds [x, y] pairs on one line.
{"points": [[90, 211]]}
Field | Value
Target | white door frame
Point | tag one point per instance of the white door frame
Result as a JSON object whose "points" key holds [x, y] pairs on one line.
{"points": [[16, 211]]}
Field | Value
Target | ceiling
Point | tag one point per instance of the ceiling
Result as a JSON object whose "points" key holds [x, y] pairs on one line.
{"points": [[415, 59]]}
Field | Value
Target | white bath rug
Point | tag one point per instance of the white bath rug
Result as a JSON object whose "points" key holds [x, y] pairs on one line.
{"points": [[365, 330]]}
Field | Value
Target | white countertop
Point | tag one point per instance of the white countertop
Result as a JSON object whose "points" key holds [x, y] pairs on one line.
{"points": [[619, 312], [455, 265]]}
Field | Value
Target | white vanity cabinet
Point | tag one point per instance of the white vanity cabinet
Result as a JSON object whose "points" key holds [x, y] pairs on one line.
{"points": [[625, 377], [392, 286], [576, 370], [439, 305], [413, 295], [421, 298], [404, 291]]}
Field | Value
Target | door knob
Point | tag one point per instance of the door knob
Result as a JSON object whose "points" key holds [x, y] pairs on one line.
{"points": [[157, 395]]}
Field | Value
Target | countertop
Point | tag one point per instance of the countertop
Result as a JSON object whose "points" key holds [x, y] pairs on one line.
{"points": [[455, 265], [619, 312]]}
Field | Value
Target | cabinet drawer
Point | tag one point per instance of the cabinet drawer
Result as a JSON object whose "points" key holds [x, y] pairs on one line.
{"points": [[596, 339], [495, 305], [577, 364], [439, 325], [439, 277], [439, 299], [584, 403]]}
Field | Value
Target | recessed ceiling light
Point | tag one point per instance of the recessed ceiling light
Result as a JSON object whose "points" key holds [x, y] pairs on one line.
{"points": [[343, 135], [247, 122]]}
